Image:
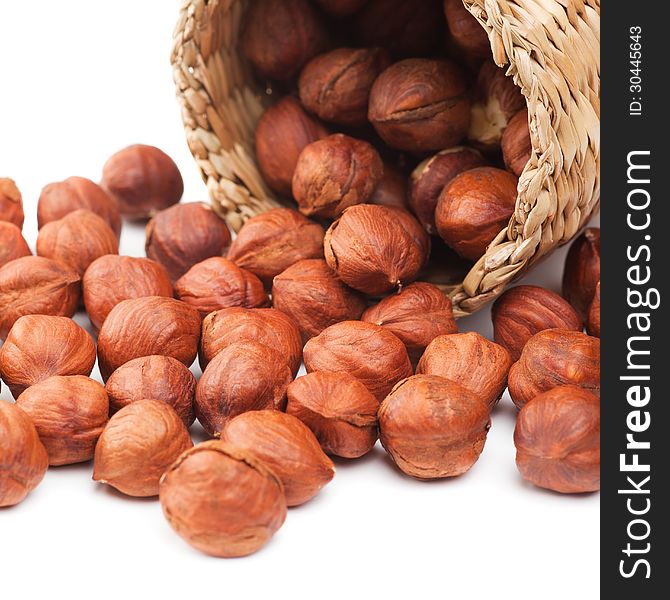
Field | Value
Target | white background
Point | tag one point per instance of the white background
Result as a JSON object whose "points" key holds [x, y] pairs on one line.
{"points": [[80, 80]]}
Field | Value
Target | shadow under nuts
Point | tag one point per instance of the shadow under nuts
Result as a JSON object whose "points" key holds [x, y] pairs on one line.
{"points": [[391, 190], [11, 202], [582, 270], [12, 243]]}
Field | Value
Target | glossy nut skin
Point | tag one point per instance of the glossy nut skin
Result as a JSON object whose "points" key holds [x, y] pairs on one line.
{"points": [[11, 202], [432, 427], [474, 208], [516, 144], [472, 361], [36, 285], [77, 239], [221, 500], [557, 439], [143, 180], [40, 346], [341, 8], [372, 354], [524, 310], [12, 243], [555, 357], [23, 458], [271, 242], [339, 410], [420, 105], [138, 444], [466, 32], [593, 321], [375, 249], [335, 173], [314, 297], [287, 446], [69, 413], [111, 279], [582, 270], [391, 189], [145, 326], [155, 377]]}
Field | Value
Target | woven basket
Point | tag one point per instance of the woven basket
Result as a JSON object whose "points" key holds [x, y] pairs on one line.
{"points": [[550, 47]]}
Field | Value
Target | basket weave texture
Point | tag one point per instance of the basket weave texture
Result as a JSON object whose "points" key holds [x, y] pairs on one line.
{"points": [[550, 47]]}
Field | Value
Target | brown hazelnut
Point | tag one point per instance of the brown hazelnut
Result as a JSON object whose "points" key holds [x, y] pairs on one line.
{"points": [[267, 326], [516, 144], [465, 30], [474, 208], [369, 352], [593, 321], [155, 377], [524, 310], [39, 346], [557, 439], [77, 240], [23, 458], [138, 445], [339, 410], [184, 235], [69, 414], [143, 180], [243, 376], [111, 279], [287, 446], [420, 105], [335, 173], [11, 203], [432, 427], [271, 242], [36, 285], [375, 249], [217, 283], [582, 271], [432, 175], [221, 500], [341, 8], [470, 360], [391, 189], [555, 357], [76, 193], [280, 36], [12, 243], [146, 326], [313, 296]]}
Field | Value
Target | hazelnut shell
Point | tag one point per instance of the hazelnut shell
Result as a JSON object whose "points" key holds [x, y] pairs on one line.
{"points": [[11, 202], [593, 323], [465, 30], [341, 8], [516, 144], [582, 270], [12, 243], [391, 190]]}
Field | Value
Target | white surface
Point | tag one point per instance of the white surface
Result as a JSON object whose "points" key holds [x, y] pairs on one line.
{"points": [[82, 79]]}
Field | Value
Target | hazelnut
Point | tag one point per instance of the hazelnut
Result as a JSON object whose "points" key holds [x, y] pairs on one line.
{"points": [[138, 445], [23, 459], [39, 346], [221, 500], [339, 410], [143, 180], [111, 279], [243, 376], [524, 310], [271, 242], [555, 357], [11, 203], [470, 360], [431, 176], [593, 322], [419, 105], [474, 208], [184, 235], [516, 144], [12, 243], [69, 414], [77, 240], [286, 446], [391, 189], [375, 249], [145, 326], [582, 271], [336, 86], [313, 296], [369, 352], [155, 377], [77, 193], [36, 285], [267, 326], [465, 30], [557, 439], [432, 427], [335, 173], [341, 8], [280, 36], [281, 134]]}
